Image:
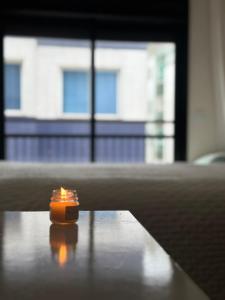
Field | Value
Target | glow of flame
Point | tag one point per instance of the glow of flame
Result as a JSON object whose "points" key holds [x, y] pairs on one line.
{"points": [[63, 192], [63, 255]]}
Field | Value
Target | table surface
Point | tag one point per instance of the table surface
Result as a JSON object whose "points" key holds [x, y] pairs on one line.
{"points": [[106, 255]]}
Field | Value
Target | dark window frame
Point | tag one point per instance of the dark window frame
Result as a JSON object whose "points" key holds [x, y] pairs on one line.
{"points": [[113, 28]]}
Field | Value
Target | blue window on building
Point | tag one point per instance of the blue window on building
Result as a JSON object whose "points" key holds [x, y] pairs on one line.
{"points": [[77, 90], [12, 86], [106, 89]]}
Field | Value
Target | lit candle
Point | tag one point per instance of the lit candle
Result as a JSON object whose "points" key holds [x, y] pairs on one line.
{"points": [[64, 206]]}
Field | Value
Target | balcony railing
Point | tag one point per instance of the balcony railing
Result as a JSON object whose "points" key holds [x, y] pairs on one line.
{"points": [[77, 148]]}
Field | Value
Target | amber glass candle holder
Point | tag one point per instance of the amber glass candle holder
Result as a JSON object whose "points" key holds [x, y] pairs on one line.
{"points": [[64, 206]]}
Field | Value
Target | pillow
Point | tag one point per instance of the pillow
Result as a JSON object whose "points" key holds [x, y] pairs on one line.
{"points": [[207, 159]]}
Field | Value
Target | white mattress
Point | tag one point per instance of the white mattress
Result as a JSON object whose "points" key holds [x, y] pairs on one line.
{"points": [[26, 186]]}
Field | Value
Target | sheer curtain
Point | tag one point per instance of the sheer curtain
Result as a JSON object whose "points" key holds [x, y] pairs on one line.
{"points": [[217, 37]]}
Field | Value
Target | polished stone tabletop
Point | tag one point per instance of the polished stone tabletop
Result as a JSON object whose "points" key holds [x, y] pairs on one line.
{"points": [[106, 255]]}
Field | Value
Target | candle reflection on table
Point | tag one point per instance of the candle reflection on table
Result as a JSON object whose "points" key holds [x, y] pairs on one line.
{"points": [[63, 241]]}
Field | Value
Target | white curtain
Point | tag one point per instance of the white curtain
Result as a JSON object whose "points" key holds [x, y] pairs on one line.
{"points": [[217, 38]]}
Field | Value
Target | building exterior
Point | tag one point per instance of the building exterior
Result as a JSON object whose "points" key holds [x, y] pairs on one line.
{"points": [[48, 100]]}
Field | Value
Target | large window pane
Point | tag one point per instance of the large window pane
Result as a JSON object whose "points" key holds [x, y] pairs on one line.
{"points": [[141, 128], [49, 79]]}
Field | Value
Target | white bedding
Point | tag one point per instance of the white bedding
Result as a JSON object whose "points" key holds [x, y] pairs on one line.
{"points": [[26, 186]]}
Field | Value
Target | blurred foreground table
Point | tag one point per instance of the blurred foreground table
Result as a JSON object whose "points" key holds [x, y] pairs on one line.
{"points": [[106, 255]]}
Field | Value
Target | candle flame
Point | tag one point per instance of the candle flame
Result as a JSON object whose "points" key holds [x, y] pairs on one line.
{"points": [[63, 192], [63, 256]]}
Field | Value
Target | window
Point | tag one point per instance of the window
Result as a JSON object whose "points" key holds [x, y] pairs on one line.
{"points": [[106, 92], [133, 119], [12, 86], [77, 90]]}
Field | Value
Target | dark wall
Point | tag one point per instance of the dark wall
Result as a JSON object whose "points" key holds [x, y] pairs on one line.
{"points": [[174, 9], [102, 18]]}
